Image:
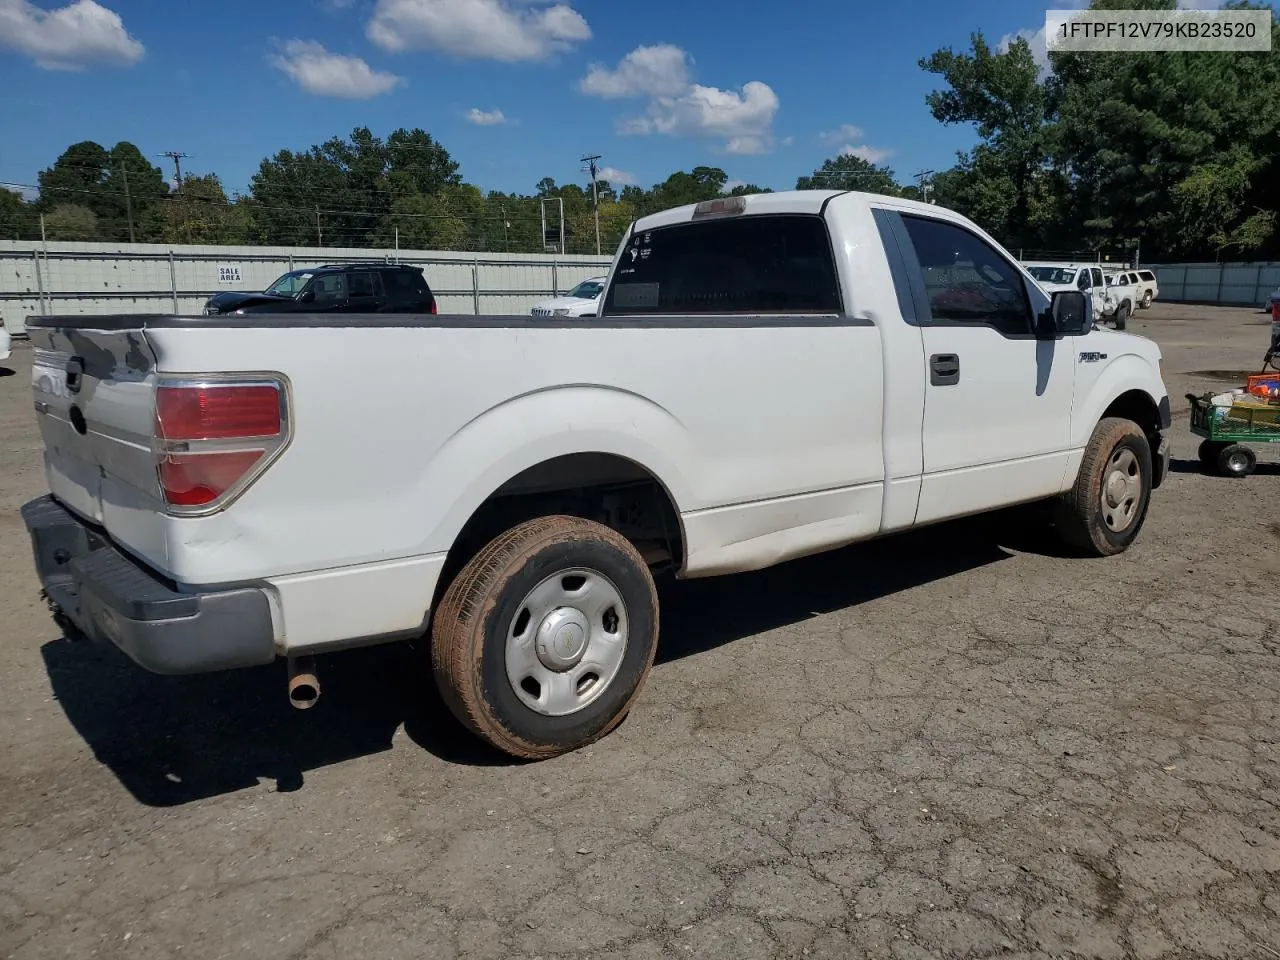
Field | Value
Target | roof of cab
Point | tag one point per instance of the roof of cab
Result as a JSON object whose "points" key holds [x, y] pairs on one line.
{"points": [[787, 201]]}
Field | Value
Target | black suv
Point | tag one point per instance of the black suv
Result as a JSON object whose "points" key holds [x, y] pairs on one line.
{"points": [[335, 288]]}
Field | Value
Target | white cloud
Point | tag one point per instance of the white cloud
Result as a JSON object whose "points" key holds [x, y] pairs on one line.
{"points": [[744, 119], [845, 133], [486, 118], [326, 74], [657, 71], [618, 178], [870, 154], [504, 30], [678, 107], [73, 37]]}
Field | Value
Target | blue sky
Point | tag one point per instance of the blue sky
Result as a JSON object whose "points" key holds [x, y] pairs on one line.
{"points": [[515, 89]]}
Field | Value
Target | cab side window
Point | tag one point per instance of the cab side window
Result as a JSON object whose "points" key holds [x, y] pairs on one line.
{"points": [[966, 280], [1084, 282], [329, 287]]}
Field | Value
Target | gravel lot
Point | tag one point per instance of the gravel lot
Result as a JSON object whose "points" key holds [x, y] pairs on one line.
{"points": [[951, 744]]}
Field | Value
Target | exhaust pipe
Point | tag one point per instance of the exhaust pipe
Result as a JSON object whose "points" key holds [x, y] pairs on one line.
{"points": [[304, 685]]}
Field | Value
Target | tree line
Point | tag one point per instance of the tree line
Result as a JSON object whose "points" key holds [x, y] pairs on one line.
{"points": [[1175, 154]]}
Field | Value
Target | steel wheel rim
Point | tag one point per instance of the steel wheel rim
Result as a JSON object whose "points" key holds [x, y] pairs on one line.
{"points": [[1121, 490], [566, 642], [1237, 462]]}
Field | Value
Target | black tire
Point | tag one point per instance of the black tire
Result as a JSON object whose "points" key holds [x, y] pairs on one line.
{"points": [[1121, 319], [1208, 452], [1082, 522], [483, 605], [1236, 460]]}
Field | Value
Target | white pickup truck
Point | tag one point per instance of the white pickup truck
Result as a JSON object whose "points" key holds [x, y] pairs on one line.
{"points": [[770, 376]]}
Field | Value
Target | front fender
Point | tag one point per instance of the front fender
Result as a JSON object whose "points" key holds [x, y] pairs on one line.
{"points": [[1124, 373], [533, 428]]}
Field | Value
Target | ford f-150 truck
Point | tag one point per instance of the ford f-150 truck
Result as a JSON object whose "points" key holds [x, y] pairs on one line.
{"points": [[768, 377]]}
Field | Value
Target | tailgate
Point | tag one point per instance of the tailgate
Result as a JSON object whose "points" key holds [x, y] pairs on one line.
{"points": [[93, 392]]}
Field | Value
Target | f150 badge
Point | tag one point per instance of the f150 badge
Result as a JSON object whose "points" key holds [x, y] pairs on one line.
{"points": [[1092, 356]]}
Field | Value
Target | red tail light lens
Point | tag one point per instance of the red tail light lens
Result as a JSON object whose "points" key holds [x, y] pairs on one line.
{"points": [[217, 412], [213, 439], [434, 309], [197, 481]]}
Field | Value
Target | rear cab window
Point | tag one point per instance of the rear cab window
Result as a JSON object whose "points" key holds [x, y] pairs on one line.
{"points": [[751, 264]]}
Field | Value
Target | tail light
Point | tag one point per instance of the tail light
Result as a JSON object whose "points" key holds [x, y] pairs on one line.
{"points": [[213, 438], [434, 310]]}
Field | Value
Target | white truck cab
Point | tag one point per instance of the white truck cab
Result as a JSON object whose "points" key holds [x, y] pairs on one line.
{"points": [[1087, 278], [768, 377]]}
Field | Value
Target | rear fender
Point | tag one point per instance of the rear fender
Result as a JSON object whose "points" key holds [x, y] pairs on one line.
{"points": [[536, 427]]}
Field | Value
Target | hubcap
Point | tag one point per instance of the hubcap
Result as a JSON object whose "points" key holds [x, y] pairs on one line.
{"points": [[1121, 490], [566, 642]]}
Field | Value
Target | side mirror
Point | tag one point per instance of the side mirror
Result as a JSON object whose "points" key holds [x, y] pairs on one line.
{"points": [[1069, 314]]}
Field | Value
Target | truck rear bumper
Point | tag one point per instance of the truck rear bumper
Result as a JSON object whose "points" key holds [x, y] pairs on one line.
{"points": [[109, 596]]}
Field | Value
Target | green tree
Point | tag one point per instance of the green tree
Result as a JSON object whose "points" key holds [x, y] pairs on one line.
{"points": [[1002, 95], [119, 186], [848, 172], [69, 221], [199, 212], [18, 219], [1169, 148]]}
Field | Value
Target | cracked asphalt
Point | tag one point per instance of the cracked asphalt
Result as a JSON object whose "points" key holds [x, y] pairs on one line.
{"points": [[949, 744]]}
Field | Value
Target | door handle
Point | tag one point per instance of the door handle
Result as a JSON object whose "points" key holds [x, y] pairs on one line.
{"points": [[944, 369], [75, 374]]}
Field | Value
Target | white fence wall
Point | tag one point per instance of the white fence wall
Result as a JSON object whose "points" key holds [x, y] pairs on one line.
{"points": [[1245, 284], [105, 278]]}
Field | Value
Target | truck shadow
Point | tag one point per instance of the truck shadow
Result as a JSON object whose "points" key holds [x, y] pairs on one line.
{"points": [[173, 740]]}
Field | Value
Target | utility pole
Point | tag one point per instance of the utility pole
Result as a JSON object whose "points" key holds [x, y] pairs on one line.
{"points": [[177, 159], [319, 235], [924, 181], [506, 229], [128, 204], [595, 194]]}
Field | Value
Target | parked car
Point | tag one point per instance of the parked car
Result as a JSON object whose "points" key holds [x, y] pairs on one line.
{"points": [[6, 343], [1122, 299], [582, 301], [334, 288], [770, 376], [1140, 286], [1086, 278]]}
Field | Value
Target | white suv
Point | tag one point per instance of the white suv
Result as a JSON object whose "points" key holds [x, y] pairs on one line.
{"points": [[1141, 284], [581, 301]]}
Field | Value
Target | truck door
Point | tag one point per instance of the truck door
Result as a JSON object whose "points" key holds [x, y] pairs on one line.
{"points": [[997, 415]]}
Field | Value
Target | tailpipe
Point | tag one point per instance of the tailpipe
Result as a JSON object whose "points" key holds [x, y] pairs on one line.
{"points": [[304, 685]]}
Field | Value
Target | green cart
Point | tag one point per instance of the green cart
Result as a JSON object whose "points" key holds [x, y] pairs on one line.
{"points": [[1227, 430]]}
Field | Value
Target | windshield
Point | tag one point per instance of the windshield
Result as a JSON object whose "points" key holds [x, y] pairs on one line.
{"points": [[587, 290], [1063, 275], [290, 285]]}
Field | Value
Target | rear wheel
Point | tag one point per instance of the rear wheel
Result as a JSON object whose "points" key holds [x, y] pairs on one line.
{"points": [[543, 640], [1104, 510], [1236, 460], [1146, 300], [1122, 316]]}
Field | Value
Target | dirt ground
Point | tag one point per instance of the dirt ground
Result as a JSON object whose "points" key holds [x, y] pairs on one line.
{"points": [[950, 744]]}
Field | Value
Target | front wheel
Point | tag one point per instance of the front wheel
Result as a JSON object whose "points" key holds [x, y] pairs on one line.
{"points": [[1122, 316], [543, 640], [1104, 510]]}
